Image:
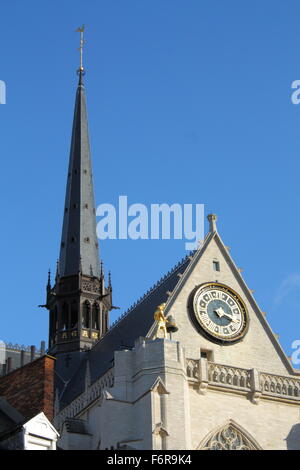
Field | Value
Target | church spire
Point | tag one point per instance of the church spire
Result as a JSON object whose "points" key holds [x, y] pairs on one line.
{"points": [[79, 240], [79, 303]]}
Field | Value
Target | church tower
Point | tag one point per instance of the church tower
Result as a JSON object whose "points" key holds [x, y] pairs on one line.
{"points": [[79, 302]]}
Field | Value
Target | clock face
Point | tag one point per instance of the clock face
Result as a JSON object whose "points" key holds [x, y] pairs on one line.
{"points": [[220, 312]]}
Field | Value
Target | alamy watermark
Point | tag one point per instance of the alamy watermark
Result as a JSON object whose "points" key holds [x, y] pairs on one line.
{"points": [[2, 92], [295, 357], [159, 221]]}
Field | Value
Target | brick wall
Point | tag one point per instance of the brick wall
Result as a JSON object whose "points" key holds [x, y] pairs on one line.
{"points": [[30, 389]]}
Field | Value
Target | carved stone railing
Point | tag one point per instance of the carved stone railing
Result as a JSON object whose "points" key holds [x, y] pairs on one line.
{"points": [[276, 385], [192, 368], [233, 377], [83, 400], [258, 384]]}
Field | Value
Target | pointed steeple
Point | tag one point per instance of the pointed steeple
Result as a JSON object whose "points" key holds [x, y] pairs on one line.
{"points": [[78, 303], [79, 240]]}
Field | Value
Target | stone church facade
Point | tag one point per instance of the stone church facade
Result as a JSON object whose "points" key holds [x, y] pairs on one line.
{"points": [[214, 376]]}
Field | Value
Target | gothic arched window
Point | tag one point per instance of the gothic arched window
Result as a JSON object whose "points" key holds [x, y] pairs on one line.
{"points": [[229, 437], [74, 314], [86, 314], [65, 316], [95, 317]]}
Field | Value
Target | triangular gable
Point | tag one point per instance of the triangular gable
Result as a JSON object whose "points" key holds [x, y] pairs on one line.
{"points": [[40, 425], [200, 263]]}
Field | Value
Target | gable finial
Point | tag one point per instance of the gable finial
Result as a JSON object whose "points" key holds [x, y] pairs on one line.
{"points": [[212, 219], [81, 71]]}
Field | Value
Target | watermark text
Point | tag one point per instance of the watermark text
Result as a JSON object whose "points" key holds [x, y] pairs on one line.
{"points": [[159, 221]]}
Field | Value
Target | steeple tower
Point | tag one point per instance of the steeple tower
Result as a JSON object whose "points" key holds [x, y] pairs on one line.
{"points": [[79, 302], [79, 240]]}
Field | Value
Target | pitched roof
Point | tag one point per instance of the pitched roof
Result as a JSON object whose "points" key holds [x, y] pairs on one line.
{"points": [[136, 322], [10, 418]]}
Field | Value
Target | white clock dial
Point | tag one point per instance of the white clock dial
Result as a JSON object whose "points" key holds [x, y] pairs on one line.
{"points": [[220, 312]]}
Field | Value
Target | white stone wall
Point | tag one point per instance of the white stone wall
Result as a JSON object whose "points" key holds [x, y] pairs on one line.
{"points": [[154, 405], [273, 425]]}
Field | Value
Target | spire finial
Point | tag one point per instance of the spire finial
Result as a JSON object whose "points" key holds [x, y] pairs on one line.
{"points": [[49, 280], [80, 71]]}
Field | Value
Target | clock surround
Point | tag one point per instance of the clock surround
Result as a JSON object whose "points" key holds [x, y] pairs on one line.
{"points": [[219, 313]]}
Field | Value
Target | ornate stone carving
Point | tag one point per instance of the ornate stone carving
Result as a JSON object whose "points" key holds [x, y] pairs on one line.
{"points": [[192, 368], [277, 385], [259, 384], [228, 438], [233, 376]]}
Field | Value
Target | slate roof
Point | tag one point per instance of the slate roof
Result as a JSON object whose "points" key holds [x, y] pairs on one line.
{"points": [[10, 418], [136, 322], [79, 244]]}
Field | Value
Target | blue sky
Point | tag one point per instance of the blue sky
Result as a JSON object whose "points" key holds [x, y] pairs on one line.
{"points": [[188, 102]]}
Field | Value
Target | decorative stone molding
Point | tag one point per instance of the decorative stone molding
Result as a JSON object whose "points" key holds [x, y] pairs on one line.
{"points": [[227, 376], [276, 385], [203, 375], [255, 386], [229, 437], [160, 430]]}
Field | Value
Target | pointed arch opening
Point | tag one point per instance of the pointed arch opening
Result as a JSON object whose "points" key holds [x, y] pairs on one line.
{"points": [[65, 316], [74, 314], [95, 316], [230, 436], [86, 311]]}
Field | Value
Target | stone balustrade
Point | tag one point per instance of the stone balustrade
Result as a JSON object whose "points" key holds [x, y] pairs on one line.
{"points": [[276, 385], [258, 384]]}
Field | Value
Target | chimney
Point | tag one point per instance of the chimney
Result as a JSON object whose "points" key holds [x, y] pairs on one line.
{"points": [[22, 358], [43, 348]]}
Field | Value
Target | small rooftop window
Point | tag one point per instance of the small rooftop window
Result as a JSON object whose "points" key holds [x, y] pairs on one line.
{"points": [[216, 266]]}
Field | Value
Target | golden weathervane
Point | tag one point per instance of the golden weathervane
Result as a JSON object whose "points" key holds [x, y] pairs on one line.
{"points": [[82, 42]]}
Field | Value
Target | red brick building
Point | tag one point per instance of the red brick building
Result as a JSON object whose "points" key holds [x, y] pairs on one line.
{"points": [[30, 389]]}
